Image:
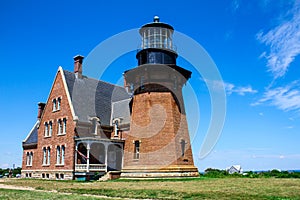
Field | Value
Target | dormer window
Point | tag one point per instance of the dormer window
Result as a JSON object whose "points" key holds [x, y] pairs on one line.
{"points": [[116, 123], [94, 125]]}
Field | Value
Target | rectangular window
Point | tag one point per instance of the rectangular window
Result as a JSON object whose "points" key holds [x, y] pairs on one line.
{"points": [[136, 154], [182, 143]]}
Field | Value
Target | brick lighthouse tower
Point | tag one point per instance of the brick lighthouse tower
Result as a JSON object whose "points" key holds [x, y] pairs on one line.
{"points": [[158, 143]]}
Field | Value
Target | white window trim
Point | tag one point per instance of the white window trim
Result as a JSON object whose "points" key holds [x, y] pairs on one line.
{"points": [[54, 105], [44, 156], [58, 102], [46, 130], [29, 158], [60, 158]]}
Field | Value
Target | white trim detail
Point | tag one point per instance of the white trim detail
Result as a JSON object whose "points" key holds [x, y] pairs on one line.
{"points": [[67, 91]]}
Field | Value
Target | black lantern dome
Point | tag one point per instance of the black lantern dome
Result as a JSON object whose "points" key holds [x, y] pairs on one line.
{"points": [[157, 44]]}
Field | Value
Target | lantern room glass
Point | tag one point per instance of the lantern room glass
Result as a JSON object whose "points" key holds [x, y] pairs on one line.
{"points": [[157, 37]]}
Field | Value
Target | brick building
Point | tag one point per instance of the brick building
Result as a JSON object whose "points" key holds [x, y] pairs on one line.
{"points": [[90, 127]]}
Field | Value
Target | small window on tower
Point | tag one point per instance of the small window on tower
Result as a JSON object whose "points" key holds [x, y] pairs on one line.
{"points": [[136, 150], [182, 143]]}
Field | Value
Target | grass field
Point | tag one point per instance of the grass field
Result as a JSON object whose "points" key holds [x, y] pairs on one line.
{"points": [[197, 188]]}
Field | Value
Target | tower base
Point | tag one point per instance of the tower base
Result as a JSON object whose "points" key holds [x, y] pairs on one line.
{"points": [[172, 171]]}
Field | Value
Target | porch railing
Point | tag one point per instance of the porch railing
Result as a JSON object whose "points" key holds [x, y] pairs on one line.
{"points": [[90, 167]]}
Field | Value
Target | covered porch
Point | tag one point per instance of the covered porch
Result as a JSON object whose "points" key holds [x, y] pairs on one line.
{"points": [[99, 156]]}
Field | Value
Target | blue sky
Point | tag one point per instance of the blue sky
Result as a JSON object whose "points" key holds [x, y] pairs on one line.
{"points": [[255, 45]]}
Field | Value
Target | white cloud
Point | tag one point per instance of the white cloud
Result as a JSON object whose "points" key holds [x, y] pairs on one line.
{"points": [[235, 4], [230, 88], [284, 43], [289, 127], [285, 98], [261, 114]]}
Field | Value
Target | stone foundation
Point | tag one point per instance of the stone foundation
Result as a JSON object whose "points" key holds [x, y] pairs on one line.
{"points": [[155, 172], [50, 175]]}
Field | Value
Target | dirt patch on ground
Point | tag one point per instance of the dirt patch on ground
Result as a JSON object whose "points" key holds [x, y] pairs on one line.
{"points": [[13, 187]]}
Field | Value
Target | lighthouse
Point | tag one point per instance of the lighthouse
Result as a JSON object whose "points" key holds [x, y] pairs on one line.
{"points": [[158, 142]]}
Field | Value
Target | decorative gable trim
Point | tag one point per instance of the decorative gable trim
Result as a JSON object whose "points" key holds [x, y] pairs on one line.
{"points": [[67, 91]]}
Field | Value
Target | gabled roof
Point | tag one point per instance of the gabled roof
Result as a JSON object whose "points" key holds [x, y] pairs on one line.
{"points": [[94, 98], [32, 136]]}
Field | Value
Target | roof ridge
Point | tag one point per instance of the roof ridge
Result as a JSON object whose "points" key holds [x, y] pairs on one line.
{"points": [[96, 80]]}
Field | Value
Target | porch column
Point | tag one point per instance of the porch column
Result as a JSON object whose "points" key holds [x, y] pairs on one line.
{"points": [[76, 149], [88, 158], [106, 156]]}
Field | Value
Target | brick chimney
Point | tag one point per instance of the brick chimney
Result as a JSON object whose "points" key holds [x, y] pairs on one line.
{"points": [[41, 107], [78, 66]]}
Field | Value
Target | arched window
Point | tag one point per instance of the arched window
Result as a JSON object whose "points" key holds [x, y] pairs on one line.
{"points": [[48, 156], [58, 155], [44, 156], [58, 103], [59, 127], [63, 155], [50, 128], [30, 158], [46, 129], [64, 129], [27, 158], [54, 105]]}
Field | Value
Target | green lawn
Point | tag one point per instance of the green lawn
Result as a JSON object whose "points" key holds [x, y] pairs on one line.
{"points": [[36, 195], [197, 188]]}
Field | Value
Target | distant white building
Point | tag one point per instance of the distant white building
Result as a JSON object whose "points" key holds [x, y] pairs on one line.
{"points": [[235, 169]]}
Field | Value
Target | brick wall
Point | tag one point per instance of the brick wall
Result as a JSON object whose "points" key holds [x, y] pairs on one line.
{"points": [[159, 126], [67, 140]]}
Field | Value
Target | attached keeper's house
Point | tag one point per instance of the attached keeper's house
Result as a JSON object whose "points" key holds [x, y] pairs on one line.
{"points": [[90, 127]]}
